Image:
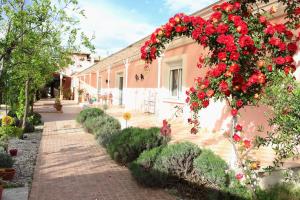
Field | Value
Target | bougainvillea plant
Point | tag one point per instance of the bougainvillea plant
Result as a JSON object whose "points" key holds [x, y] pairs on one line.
{"points": [[245, 51]]}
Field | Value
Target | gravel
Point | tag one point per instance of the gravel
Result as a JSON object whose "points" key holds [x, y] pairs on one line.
{"points": [[26, 158]]}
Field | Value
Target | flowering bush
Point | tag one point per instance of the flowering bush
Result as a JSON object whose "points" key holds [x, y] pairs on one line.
{"points": [[7, 121], [246, 51]]}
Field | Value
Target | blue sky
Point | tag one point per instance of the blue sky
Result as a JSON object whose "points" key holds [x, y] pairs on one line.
{"points": [[119, 23]]}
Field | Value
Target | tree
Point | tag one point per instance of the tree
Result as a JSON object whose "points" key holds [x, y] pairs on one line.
{"points": [[39, 37]]}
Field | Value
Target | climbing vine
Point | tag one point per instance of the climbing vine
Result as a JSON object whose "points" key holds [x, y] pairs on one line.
{"points": [[246, 51]]}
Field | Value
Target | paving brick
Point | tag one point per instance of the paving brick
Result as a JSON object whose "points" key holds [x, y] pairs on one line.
{"points": [[72, 166]]}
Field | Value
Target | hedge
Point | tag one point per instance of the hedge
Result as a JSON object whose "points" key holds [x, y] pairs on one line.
{"points": [[131, 142]]}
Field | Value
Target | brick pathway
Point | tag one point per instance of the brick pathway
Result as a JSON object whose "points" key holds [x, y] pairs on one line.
{"points": [[72, 166]]}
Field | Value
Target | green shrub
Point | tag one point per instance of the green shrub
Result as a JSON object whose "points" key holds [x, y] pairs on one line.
{"points": [[211, 167], [142, 168], [35, 118], [6, 160], [110, 129], [88, 113], [132, 142], [10, 131], [177, 159], [284, 191]]}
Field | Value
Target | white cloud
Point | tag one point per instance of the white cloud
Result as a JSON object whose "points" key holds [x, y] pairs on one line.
{"points": [[114, 27], [189, 5]]}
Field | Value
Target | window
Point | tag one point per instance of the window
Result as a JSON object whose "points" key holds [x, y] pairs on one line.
{"points": [[176, 81]]}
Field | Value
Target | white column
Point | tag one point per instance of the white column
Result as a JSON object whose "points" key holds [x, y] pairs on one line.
{"points": [[126, 63], [97, 85], [108, 72], [158, 93], [125, 91], [60, 86]]}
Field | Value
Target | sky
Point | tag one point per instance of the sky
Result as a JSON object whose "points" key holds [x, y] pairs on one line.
{"points": [[118, 23]]}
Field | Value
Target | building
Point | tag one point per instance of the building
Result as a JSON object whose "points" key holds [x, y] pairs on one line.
{"points": [[63, 79], [123, 79]]}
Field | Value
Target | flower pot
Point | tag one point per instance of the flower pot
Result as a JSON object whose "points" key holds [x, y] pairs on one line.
{"points": [[58, 107], [7, 174], [13, 152], [1, 190]]}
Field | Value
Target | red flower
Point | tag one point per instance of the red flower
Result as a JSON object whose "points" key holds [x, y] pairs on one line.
{"points": [[247, 144], [275, 41], [297, 11], [216, 16], [210, 29], [223, 86], [280, 28], [234, 56], [235, 68], [192, 89], [289, 59], [236, 137], [222, 28], [205, 103], [242, 28], [194, 130], [222, 56], [179, 29], [280, 60], [234, 112], [239, 176], [246, 41], [238, 127], [287, 70], [262, 19], [282, 46], [292, 47], [194, 105], [270, 30], [222, 67], [201, 95], [239, 103], [187, 100], [270, 68], [203, 40], [237, 5]]}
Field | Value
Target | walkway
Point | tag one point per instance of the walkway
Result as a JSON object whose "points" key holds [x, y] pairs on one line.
{"points": [[72, 166]]}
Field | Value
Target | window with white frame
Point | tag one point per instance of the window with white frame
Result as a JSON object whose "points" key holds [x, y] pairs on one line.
{"points": [[175, 81]]}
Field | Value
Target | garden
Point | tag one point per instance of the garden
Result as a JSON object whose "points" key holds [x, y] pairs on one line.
{"points": [[183, 169], [18, 150]]}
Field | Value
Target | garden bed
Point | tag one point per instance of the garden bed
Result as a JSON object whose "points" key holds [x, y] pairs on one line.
{"points": [[26, 158]]}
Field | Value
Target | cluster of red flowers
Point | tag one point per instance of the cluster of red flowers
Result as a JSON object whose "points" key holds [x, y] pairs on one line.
{"points": [[240, 44]]}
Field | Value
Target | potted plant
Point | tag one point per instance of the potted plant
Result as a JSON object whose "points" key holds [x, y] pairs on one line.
{"points": [[57, 104], [6, 170], [80, 95], [13, 152]]}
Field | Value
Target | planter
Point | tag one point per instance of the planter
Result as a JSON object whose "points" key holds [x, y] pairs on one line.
{"points": [[1, 190], [7, 174], [58, 107], [13, 152]]}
